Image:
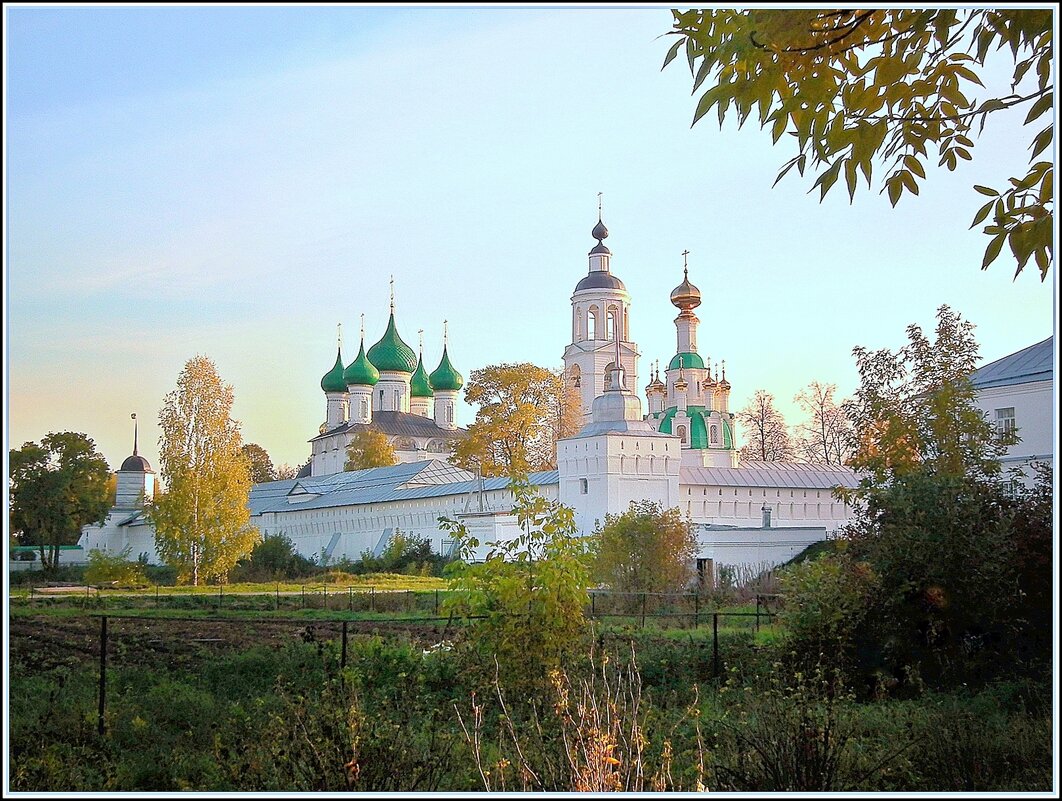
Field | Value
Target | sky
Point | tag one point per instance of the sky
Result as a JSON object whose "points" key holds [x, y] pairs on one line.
{"points": [[235, 182]]}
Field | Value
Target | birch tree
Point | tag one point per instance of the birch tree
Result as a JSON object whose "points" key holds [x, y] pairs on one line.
{"points": [[765, 430], [201, 519], [826, 436]]}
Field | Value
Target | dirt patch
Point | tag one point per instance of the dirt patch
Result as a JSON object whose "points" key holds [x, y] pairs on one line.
{"points": [[41, 643]]}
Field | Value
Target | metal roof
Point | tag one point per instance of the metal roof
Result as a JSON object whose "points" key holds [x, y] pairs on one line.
{"points": [[1034, 363], [402, 482], [399, 424], [787, 475]]}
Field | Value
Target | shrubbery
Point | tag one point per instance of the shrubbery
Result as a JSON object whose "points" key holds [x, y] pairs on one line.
{"points": [[115, 571]]}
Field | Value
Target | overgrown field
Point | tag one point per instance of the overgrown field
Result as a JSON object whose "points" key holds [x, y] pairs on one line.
{"points": [[215, 705]]}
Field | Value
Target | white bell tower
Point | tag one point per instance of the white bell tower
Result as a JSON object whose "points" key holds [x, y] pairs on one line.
{"points": [[600, 321]]}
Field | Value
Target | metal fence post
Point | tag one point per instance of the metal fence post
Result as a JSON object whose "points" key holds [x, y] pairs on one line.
{"points": [[436, 602], [303, 596], [372, 599], [715, 644], [343, 658], [156, 596], [696, 609], [221, 594], [757, 613], [350, 599], [643, 610], [278, 596], [103, 671], [324, 588], [593, 604]]}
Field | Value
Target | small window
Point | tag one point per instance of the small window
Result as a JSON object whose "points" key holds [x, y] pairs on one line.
{"points": [[584, 486], [1006, 423], [681, 432], [715, 435]]}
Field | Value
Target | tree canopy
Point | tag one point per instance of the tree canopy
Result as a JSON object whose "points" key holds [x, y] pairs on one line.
{"points": [[766, 434], [825, 437], [261, 465], [645, 549], [369, 448], [859, 88], [523, 410], [916, 410], [56, 488], [201, 520]]}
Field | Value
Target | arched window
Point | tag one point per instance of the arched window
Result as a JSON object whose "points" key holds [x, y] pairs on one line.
{"points": [[610, 323], [681, 433], [715, 435], [592, 323], [608, 374], [449, 414], [364, 407], [575, 375]]}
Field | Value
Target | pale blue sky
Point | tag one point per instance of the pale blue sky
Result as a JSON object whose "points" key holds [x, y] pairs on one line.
{"points": [[234, 182]]}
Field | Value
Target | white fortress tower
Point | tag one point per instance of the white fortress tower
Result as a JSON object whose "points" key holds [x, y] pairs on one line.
{"points": [[617, 458], [600, 322]]}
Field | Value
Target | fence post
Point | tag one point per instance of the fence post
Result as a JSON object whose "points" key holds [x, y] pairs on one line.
{"points": [[156, 596], [221, 594], [350, 599], [278, 596], [304, 596], [715, 644], [593, 604], [103, 671], [409, 601], [696, 609], [372, 599], [757, 613], [436, 602], [324, 588], [643, 610], [343, 658]]}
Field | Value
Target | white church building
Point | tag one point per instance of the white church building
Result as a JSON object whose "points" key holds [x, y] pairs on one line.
{"points": [[682, 451]]}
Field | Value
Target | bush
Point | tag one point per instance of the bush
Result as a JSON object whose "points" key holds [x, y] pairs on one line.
{"points": [[115, 571], [275, 557]]}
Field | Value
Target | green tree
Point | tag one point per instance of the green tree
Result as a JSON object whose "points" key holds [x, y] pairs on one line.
{"points": [[859, 88], [117, 570], [55, 489], [527, 597], [261, 465], [916, 410], [645, 549], [523, 411], [369, 448], [202, 519], [765, 430]]}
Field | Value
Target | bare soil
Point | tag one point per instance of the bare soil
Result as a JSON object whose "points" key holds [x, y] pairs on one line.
{"points": [[41, 643]]}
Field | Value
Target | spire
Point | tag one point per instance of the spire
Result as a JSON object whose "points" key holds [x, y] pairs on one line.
{"points": [[446, 333], [392, 293], [363, 328], [339, 335], [135, 432]]}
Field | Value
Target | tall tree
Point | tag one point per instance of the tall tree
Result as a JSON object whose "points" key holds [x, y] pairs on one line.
{"points": [[56, 488], [916, 410], [201, 520], [826, 436], [523, 410], [859, 88], [767, 437], [646, 549], [369, 448], [261, 465]]}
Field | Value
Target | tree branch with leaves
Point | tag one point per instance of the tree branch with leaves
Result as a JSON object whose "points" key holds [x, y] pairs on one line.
{"points": [[857, 89]]}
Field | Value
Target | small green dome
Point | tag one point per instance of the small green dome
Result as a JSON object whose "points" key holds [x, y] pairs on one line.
{"points": [[391, 353], [419, 386], [333, 379], [361, 370], [445, 376], [690, 361]]}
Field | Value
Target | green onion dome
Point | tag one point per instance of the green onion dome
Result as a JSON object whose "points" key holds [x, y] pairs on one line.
{"points": [[391, 353], [361, 370], [691, 361], [445, 376], [419, 386], [333, 379]]}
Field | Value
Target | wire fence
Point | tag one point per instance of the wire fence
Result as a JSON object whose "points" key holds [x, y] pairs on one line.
{"points": [[668, 610]]}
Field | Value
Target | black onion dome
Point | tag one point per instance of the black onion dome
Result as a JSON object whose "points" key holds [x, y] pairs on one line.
{"points": [[600, 231], [599, 279], [136, 464]]}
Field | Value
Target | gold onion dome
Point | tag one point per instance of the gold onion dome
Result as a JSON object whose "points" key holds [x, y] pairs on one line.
{"points": [[686, 296]]}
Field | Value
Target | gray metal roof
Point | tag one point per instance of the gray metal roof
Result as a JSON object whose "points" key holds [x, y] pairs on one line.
{"points": [[785, 475], [399, 424], [1034, 363], [402, 482]]}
